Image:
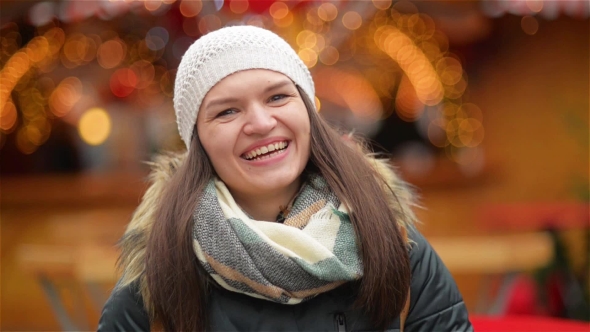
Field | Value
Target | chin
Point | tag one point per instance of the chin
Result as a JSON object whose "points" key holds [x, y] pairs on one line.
{"points": [[270, 185], [275, 183]]}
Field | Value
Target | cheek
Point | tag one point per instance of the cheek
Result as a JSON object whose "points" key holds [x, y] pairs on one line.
{"points": [[307, 127], [216, 157], [305, 133], [301, 120], [209, 144]]}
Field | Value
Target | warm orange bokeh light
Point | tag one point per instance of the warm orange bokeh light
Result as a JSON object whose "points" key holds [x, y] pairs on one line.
{"points": [[407, 105], [306, 39], [94, 126], [329, 55], [209, 23], [145, 73], [285, 21], [152, 5], [111, 53], [65, 96], [327, 11], [123, 82], [352, 20], [8, 116], [309, 57], [238, 6], [382, 4], [23, 143], [190, 8], [278, 10], [529, 25], [413, 62]]}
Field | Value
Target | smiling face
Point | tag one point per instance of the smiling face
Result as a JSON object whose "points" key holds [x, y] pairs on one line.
{"points": [[255, 129]]}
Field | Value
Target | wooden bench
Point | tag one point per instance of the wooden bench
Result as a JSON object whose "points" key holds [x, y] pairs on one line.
{"points": [[76, 256], [494, 254], [500, 257], [80, 270]]}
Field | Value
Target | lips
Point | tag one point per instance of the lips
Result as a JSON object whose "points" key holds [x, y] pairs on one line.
{"points": [[266, 151]]}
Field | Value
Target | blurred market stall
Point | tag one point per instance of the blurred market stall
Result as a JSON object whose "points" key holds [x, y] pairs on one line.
{"points": [[480, 103]]}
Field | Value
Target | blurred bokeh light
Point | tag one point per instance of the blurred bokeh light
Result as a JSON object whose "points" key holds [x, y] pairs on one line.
{"points": [[481, 105]]}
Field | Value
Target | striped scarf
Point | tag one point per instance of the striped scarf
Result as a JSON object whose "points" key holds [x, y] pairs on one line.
{"points": [[312, 252]]}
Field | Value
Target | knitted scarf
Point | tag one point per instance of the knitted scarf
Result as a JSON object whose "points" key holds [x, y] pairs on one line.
{"points": [[312, 252]]}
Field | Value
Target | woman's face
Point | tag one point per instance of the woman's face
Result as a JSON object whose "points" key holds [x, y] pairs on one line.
{"points": [[255, 129]]}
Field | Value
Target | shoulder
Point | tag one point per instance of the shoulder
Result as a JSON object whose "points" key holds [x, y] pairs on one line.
{"points": [[400, 194], [133, 244], [124, 311], [435, 300]]}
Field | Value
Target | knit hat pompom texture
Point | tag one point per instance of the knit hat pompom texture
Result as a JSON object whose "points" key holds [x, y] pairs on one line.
{"points": [[226, 51]]}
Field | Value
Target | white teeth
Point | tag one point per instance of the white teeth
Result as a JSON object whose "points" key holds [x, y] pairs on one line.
{"points": [[256, 154]]}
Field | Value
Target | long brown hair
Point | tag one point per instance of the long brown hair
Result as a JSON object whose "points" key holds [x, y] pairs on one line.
{"points": [[178, 285]]}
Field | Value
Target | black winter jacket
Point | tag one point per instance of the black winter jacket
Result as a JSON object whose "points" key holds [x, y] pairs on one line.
{"points": [[435, 305]]}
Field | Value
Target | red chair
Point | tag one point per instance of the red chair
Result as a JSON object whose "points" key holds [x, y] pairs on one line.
{"points": [[559, 279], [527, 323]]}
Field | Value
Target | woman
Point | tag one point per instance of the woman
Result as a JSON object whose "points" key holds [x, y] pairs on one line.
{"points": [[271, 221]]}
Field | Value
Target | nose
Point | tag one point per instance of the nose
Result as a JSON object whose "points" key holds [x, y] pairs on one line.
{"points": [[259, 121]]}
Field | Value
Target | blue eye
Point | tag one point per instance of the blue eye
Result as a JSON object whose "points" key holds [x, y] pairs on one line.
{"points": [[277, 97], [226, 112]]}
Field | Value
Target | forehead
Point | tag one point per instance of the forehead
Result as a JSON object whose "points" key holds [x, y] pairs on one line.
{"points": [[251, 79]]}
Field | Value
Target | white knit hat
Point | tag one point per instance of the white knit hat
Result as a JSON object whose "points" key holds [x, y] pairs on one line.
{"points": [[226, 51]]}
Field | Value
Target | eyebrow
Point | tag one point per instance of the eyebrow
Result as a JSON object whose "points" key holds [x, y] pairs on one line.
{"points": [[222, 101]]}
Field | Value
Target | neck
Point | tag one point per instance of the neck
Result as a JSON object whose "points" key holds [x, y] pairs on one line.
{"points": [[267, 206]]}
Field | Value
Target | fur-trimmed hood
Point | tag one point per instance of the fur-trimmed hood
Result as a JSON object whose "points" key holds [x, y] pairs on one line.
{"points": [[134, 241]]}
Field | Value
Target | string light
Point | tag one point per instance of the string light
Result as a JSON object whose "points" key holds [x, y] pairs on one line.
{"points": [[318, 104], [382, 4], [352, 20], [8, 116], [529, 25], [123, 82], [411, 67], [337, 85], [419, 70], [144, 72], [431, 78], [285, 21], [111, 53], [20, 63], [152, 5], [329, 55], [238, 6], [65, 96], [327, 11], [309, 57], [306, 39], [278, 10], [190, 8], [167, 84], [23, 141], [534, 5], [94, 126], [209, 23]]}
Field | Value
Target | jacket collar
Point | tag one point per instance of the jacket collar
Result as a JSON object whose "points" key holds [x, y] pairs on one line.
{"points": [[134, 242]]}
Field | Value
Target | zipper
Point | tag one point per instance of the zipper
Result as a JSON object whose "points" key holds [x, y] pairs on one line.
{"points": [[340, 322]]}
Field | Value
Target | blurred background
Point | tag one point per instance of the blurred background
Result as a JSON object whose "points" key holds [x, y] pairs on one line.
{"points": [[483, 106]]}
